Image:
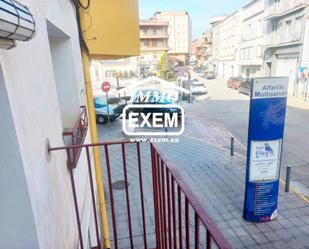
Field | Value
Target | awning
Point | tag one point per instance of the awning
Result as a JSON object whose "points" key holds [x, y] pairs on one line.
{"points": [[111, 29]]}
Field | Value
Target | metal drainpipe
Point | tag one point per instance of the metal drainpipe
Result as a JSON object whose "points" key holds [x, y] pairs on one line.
{"points": [[96, 152]]}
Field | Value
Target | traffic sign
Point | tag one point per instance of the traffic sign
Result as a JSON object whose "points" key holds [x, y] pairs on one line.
{"points": [[106, 86]]}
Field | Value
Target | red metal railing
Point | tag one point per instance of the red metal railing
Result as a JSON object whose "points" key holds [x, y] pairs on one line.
{"points": [[77, 136], [173, 201], [154, 209]]}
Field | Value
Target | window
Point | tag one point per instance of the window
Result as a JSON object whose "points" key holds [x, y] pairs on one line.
{"points": [[64, 75], [288, 28], [260, 27], [298, 25]]}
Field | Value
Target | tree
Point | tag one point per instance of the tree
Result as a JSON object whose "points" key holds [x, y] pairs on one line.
{"points": [[166, 72]]}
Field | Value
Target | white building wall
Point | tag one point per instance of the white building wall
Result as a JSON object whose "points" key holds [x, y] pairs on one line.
{"points": [[251, 46], [16, 217], [36, 113], [226, 38], [284, 39]]}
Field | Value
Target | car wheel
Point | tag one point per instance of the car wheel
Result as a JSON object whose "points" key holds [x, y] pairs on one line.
{"points": [[101, 119]]}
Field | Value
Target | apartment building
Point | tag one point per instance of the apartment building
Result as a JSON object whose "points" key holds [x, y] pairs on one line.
{"points": [[251, 45], [179, 32], [226, 38], [154, 43], [198, 50], [285, 23]]}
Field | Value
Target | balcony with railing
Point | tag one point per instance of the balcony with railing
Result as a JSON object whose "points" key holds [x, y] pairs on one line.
{"points": [[149, 204], [153, 33], [283, 39], [76, 136], [284, 7]]}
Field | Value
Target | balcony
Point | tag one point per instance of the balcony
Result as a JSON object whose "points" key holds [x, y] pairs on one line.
{"points": [[284, 7], [153, 48], [153, 36], [283, 39], [76, 137], [149, 204]]}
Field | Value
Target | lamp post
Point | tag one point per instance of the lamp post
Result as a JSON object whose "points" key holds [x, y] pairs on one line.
{"points": [[117, 79]]}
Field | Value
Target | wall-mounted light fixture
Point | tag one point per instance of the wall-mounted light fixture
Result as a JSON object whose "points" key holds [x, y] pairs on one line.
{"points": [[16, 23], [6, 43]]}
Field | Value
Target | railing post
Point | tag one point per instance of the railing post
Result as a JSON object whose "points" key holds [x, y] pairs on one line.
{"points": [[232, 146], [287, 179], [155, 201]]}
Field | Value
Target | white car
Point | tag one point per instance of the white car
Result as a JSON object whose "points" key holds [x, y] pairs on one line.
{"points": [[198, 88]]}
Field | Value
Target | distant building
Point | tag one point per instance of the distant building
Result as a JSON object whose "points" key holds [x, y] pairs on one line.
{"points": [[198, 50], [251, 46], [285, 25], [226, 37], [154, 43], [202, 50], [303, 87], [180, 33]]}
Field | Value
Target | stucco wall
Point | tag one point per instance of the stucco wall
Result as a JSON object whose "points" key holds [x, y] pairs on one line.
{"points": [[33, 100], [16, 218]]}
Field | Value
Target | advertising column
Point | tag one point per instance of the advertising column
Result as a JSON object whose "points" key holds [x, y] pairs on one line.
{"points": [[265, 138]]}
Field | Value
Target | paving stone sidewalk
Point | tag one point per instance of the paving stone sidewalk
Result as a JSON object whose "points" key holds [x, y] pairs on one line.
{"points": [[218, 180]]}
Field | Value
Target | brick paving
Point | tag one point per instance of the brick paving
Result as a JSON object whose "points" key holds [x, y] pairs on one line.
{"points": [[218, 180]]}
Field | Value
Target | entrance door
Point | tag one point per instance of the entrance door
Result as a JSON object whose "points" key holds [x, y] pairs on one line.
{"points": [[288, 67]]}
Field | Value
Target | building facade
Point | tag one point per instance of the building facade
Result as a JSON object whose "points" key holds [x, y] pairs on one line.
{"points": [[226, 38], [179, 32], [198, 50], [303, 90], [284, 37], [202, 51], [40, 99], [251, 46], [43, 99], [154, 43]]}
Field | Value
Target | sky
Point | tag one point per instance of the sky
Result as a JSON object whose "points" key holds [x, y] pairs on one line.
{"points": [[200, 10]]}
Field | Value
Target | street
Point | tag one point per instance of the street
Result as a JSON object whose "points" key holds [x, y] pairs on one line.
{"points": [[218, 180], [228, 110]]}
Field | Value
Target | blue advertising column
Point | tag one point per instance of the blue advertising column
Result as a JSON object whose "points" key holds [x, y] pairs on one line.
{"points": [[265, 137]]}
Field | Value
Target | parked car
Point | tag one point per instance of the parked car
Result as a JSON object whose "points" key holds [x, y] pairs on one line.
{"points": [[101, 111], [245, 86], [210, 75], [197, 88], [230, 82], [234, 82]]}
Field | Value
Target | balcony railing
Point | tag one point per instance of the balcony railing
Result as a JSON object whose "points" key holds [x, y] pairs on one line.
{"points": [[282, 39], [155, 207], [284, 7], [77, 136], [153, 36]]}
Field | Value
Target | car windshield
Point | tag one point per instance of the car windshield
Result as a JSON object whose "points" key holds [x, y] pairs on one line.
{"points": [[199, 84], [99, 103], [195, 80]]}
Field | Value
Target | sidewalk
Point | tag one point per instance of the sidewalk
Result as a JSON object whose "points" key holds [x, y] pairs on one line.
{"points": [[218, 180], [298, 103]]}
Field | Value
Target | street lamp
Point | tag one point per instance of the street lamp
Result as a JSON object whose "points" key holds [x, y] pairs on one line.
{"points": [[6, 43], [16, 23]]}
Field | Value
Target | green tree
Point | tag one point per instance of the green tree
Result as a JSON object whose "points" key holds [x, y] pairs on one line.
{"points": [[166, 72]]}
